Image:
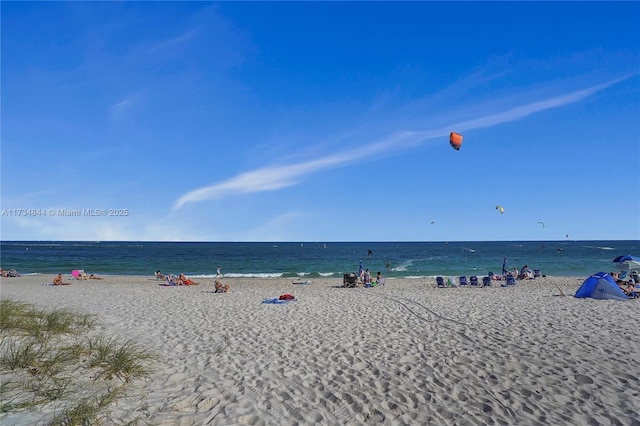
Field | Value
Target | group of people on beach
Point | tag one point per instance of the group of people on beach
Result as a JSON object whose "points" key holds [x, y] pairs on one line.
{"points": [[628, 287], [183, 280], [10, 273], [58, 280], [525, 273], [175, 279], [365, 279]]}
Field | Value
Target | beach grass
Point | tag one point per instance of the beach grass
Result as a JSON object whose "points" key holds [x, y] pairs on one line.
{"points": [[47, 357], [114, 359], [21, 318]]}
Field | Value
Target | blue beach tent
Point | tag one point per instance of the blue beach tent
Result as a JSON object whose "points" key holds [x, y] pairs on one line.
{"points": [[601, 286]]}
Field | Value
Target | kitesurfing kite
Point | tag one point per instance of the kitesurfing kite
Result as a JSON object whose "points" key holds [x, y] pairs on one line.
{"points": [[455, 139], [500, 208], [541, 223]]}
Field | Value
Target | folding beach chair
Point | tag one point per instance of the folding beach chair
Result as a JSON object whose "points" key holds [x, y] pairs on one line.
{"points": [[511, 280], [473, 281], [536, 273], [440, 282], [349, 280], [486, 281], [463, 281]]}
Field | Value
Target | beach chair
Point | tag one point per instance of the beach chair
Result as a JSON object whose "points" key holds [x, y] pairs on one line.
{"points": [[536, 273], [486, 281], [473, 281], [463, 281], [511, 280], [349, 280], [440, 282]]}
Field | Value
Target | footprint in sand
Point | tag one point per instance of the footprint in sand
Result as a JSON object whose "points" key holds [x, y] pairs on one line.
{"points": [[359, 366], [408, 358], [461, 359], [207, 404], [586, 380], [389, 406]]}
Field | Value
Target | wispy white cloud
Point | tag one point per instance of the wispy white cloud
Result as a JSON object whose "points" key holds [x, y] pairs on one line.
{"points": [[165, 44], [276, 177], [526, 110], [125, 105]]}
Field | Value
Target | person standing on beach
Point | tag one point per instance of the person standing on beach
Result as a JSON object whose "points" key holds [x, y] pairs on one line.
{"points": [[219, 272]]}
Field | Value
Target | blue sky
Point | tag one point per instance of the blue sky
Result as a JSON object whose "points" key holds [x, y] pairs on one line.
{"points": [[320, 121]]}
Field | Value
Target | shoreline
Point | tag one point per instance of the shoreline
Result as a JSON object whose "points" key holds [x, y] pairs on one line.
{"points": [[314, 260], [298, 277], [406, 352]]}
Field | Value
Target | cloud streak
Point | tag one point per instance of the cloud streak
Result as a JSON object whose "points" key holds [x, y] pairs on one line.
{"points": [[176, 41], [276, 177]]}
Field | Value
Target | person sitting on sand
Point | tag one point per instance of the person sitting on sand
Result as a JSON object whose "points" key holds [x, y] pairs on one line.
{"points": [[221, 288], [186, 281], [10, 273], [95, 277], [159, 275], [616, 277], [526, 273], [628, 288], [58, 280], [172, 280]]}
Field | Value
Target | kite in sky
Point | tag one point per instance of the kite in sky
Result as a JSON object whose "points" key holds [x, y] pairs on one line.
{"points": [[500, 208], [455, 140], [541, 223]]}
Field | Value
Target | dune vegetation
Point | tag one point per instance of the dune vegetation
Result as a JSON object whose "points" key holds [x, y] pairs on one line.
{"points": [[55, 368]]}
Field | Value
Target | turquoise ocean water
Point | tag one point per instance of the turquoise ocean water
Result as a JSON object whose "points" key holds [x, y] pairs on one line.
{"points": [[313, 259]]}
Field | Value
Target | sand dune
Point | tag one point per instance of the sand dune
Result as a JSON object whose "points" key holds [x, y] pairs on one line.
{"points": [[405, 353]]}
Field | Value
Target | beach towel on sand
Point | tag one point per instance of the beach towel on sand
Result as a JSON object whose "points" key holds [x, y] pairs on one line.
{"points": [[284, 298], [275, 301]]}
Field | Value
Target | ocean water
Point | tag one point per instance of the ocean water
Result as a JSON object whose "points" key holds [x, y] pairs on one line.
{"points": [[313, 259]]}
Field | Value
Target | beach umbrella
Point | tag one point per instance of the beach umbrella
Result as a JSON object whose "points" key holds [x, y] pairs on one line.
{"points": [[627, 263], [504, 266]]}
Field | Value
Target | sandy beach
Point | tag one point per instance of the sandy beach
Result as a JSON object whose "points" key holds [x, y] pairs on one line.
{"points": [[403, 353]]}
